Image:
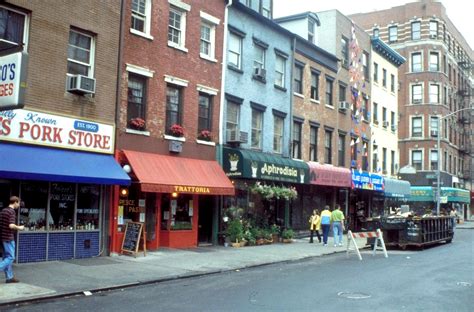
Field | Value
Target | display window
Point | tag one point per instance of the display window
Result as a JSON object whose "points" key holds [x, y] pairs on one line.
{"points": [[34, 196], [177, 212]]}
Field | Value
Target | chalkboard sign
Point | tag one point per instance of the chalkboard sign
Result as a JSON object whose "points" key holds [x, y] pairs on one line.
{"points": [[131, 239]]}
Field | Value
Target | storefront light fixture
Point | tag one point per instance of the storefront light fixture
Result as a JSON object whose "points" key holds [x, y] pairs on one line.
{"points": [[174, 194], [127, 168], [124, 192]]}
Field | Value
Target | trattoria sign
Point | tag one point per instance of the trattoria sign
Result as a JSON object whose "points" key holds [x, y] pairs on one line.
{"points": [[25, 126]]}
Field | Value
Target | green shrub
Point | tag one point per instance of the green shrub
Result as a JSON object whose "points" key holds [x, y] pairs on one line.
{"points": [[235, 231], [287, 234]]}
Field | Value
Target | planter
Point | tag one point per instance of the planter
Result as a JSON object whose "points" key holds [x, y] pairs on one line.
{"points": [[275, 238], [243, 243], [236, 245], [260, 241], [287, 240]]}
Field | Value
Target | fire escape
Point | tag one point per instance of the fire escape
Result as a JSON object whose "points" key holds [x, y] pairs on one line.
{"points": [[465, 122]]}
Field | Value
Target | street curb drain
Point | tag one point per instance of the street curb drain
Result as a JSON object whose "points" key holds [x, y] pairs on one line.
{"points": [[353, 295]]}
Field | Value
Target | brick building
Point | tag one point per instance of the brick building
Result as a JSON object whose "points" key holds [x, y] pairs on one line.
{"points": [[435, 85], [168, 125], [57, 149]]}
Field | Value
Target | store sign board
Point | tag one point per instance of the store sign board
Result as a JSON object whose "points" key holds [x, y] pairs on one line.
{"points": [[31, 127], [367, 181], [13, 80]]}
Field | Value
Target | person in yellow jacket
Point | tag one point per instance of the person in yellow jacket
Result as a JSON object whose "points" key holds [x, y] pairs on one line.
{"points": [[314, 225]]}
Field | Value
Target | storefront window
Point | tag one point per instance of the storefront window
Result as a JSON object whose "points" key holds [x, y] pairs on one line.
{"points": [[61, 206], [88, 203], [177, 212], [35, 198]]}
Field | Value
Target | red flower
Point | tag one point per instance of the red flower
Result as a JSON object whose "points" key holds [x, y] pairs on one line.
{"points": [[176, 130], [205, 135], [137, 123]]}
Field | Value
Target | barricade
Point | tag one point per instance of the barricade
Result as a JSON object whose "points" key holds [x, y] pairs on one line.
{"points": [[378, 239]]}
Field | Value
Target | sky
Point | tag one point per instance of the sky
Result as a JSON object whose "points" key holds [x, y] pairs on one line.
{"points": [[458, 11]]}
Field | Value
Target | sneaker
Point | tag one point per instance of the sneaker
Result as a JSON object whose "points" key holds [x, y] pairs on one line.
{"points": [[340, 244], [12, 280], [325, 245]]}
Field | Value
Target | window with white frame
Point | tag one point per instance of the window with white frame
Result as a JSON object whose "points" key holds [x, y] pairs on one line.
{"points": [[278, 125], [434, 130], [365, 65], [232, 116], [329, 91], [174, 106], [434, 61], [296, 152], [433, 29], [417, 159], [345, 51], [376, 72], [266, 9], [416, 94], [328, 146], [376, 32], [204, 112], [375, 113], [384, 77], [311, 30], [416, 65], [415, 31], [235, 51], [314, 85], [177, 27], [298, 79], [80, 54], [208, 36], [434, 93], [12, 26], [280, 69], [341, 150], [416, 127], [392, 34], [141, 16], [259, 59], [257, 128], [392, 83], [136, 98], [313, 143], [384, 117]]}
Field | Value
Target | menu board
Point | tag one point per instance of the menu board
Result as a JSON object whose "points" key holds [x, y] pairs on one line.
{"points": [[132, 236]]}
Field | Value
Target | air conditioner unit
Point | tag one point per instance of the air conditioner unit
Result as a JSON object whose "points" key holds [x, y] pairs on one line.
{"points": [[236, 136], [80, 84], [343, 106], [434, 133], [260, 72], [385, 124]]}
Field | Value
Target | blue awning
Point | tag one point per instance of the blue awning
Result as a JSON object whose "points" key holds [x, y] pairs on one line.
{"points": [[26, 162]]}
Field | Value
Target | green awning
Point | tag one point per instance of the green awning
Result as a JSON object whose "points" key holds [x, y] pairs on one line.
{"points": [[449, 194], [240, 163]]}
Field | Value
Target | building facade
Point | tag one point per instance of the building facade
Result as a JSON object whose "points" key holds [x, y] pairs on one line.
{"points": [[435, 93], [168, 122], [57, 151]]}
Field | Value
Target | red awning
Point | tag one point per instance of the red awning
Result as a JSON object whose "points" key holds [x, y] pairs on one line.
{"points": [[329, 175], [167, 174]]}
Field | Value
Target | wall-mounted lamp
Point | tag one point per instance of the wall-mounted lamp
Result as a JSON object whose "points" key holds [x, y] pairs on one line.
{"points": [[127, 168], [174, 194], [124, 192]]}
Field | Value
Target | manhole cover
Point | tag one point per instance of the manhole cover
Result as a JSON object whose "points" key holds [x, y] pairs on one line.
{"points": [[466, 284], [353, 295]]}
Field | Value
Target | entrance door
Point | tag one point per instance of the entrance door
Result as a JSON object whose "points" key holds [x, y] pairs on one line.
{"points": [[206, 204], [150, 214]]}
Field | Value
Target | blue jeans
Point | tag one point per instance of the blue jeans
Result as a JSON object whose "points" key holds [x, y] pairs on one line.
{"points": [[337, 229], [8, 257], [325, 228]]}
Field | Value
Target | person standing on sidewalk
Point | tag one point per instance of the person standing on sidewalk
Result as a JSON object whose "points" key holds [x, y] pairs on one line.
{"points": [[314, 225], [325, 223], [8, 228], [337, 220]]}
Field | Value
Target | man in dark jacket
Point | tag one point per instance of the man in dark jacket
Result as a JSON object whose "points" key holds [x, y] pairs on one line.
{"points": [[8, 228]]}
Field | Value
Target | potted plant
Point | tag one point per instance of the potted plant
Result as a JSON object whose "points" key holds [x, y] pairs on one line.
{"points": [[235, 232], [275, 230], [176, 130], [205, 135], [137, 124], [287, 235]]}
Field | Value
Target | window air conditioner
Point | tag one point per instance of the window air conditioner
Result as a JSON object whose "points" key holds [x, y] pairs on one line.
{"points": [[236, 136], [80, 84], [385, 124], [260, 72], [343, 106]]}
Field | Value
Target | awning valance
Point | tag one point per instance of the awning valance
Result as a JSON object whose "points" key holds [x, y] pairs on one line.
{"points": [[329, 175], [448, 194], [397, 188], [167, 174], [243, 163], [25, 162]]}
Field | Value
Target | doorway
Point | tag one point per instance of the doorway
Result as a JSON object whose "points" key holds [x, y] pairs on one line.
{"points": [[206, 204]]}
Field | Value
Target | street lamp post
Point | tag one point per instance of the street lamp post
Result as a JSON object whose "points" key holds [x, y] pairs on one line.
{"points": [[438, 169]]}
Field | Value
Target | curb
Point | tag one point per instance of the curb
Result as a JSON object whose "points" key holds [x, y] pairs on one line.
{"points": [[153, 281]]}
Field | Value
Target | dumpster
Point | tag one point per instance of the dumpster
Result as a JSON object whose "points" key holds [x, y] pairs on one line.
{"points": [[413, 231]]}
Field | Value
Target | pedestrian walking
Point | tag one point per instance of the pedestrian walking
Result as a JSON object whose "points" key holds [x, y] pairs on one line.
{"points": [[454, 216], [337, 221], [8, 228], [314, 225], [325, 223]]}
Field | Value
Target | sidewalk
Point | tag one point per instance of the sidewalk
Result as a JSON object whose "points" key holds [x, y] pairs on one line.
{"points": [[69, 277]]}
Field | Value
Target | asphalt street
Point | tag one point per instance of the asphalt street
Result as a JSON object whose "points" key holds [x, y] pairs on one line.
{"points": [[438, 278]]}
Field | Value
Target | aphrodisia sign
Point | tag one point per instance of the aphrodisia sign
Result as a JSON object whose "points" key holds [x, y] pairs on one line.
{"points": [[25, 126]]}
